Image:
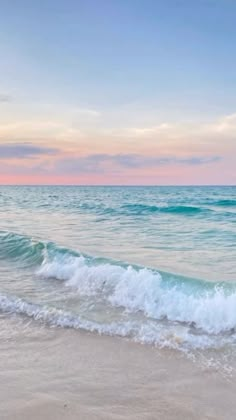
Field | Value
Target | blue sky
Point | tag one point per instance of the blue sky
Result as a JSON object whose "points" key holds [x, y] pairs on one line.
{"points": [[135, 64], [109, 53]]}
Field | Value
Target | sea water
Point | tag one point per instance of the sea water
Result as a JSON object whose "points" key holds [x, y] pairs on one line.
{"points": [[154, 264]]}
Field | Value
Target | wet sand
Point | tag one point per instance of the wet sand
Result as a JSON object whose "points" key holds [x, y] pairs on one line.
{"points": [[49, 373]]}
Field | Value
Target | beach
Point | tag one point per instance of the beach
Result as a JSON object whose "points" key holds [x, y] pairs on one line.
{"points": [[50, 373]]}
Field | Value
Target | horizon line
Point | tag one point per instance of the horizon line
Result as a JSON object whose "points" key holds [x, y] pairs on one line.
{"points": [[118, 185]]}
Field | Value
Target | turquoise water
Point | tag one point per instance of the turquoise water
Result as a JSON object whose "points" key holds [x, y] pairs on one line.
{"points": [[157, 264]]}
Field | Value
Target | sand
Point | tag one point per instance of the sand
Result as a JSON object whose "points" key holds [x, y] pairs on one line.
{"points": [[51, 373]]}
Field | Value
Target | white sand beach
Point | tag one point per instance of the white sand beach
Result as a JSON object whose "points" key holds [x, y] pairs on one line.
{"points": [[52, 373]]}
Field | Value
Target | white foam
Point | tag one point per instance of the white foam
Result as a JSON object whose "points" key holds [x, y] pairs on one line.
{"points": [[144, 290], [176, 337]]}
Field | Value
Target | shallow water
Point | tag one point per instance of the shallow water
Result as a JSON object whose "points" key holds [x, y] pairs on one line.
{"points": [[156, 264]]}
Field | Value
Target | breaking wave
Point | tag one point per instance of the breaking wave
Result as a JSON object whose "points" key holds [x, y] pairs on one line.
{"points": [[159, 307]]}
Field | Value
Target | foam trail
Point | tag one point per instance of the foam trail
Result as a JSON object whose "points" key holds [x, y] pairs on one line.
{"points": [[149, 333]]}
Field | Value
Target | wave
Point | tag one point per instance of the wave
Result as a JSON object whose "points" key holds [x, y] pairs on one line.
{"points": [[27, 250], [21, 248], [226, 203], [139, 209], [204, 207], [164, 302], [182, 209], [210, 308]]}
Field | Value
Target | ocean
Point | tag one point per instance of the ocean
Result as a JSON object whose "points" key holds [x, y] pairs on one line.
{"points": [[155, 265]]}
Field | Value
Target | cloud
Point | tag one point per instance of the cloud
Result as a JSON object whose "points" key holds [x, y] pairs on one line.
{"points": [[139, 161], [116, 168], [24, 150], [105, 163], [5, 98], [200, 137], [147, 131], [225, 125], [72, 127]]}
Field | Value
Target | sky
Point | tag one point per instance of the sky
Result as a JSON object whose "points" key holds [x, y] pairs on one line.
{"points": [[123, 92]]}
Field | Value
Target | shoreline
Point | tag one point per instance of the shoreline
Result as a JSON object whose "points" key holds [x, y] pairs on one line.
{"points": [[52, 373]]}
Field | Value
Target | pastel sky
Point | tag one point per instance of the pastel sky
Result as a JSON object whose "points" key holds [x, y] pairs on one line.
{"points": [[118, 92]]}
